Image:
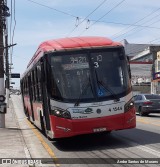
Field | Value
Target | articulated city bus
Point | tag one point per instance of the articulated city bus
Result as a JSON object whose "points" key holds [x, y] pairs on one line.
{"points": [[78, 85]]}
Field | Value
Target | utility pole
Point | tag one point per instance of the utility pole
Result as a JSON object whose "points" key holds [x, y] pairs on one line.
{"points": [[2, 89], [7, 14], [7, 67]]}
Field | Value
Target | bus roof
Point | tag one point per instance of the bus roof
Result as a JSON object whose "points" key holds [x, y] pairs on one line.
{"points": [[71, 43]]}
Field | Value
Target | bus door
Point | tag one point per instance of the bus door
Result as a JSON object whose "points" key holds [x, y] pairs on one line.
{"points": [[31, 87], [45, 98]]}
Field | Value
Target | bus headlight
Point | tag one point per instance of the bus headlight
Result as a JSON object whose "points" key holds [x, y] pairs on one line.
{"points": [[61, 113], [129, 105]]}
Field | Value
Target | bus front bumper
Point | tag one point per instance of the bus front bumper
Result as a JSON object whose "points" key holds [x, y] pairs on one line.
{"points": [[62, 127]]}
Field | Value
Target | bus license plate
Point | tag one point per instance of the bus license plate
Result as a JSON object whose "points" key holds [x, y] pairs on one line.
{"points": [[99, 129]]}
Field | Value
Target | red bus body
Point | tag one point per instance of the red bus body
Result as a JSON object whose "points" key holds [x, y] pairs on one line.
{"points": [[104, 115]]}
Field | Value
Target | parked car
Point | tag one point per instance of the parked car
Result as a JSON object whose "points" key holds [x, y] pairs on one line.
{"points": [[147, 103]]}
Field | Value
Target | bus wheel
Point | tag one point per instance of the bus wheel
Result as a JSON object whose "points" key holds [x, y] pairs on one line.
{"points": [[104, 133], [43, 126], [27, 114], [25, 111], [108, 132]]}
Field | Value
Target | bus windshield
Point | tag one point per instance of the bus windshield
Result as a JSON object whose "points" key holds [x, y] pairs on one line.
{"points": [[89, 76]]}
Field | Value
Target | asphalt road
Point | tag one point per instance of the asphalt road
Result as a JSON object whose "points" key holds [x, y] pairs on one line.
{"points": [[142, 142]]}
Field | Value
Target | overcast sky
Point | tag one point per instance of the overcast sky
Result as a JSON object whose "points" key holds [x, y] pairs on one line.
{"points": [[137, 21]]}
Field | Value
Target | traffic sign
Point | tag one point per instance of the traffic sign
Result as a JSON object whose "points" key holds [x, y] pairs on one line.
{"points": [[15, 75], [12, 82]]}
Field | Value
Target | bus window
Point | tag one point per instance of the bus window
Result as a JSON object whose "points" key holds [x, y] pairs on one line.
{"points": [[70, 74], [111, 71], [38, 70], [33, 85]]}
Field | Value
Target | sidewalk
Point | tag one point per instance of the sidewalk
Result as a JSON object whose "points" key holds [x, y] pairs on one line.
{"points": [[12, 144], [17, 139]]}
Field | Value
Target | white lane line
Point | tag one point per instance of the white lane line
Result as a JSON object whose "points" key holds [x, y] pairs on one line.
{"points": [[149, 150], [141, 147]]}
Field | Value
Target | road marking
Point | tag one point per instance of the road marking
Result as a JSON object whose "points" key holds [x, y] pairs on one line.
{"points": [[149, 150], [145, 148], [141, 147], [148, 119], [146, 122], [45, 145]]}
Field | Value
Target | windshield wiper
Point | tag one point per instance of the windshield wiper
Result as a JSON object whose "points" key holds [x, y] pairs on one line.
{"points": [[83, 91], [106, 88]]}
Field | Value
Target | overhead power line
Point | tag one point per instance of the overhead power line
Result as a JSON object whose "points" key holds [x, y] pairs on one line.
{"points": [[95, 21], [126, 24], [154, 40], [139, 29], [60, 11], [11, 9], [87, 16], [116, 34], [12, 26], [104, 15]]}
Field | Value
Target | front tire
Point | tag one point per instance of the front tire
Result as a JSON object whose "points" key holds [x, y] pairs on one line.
{"points": [[27, 114]]}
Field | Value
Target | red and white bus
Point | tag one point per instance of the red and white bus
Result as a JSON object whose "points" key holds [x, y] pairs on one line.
{"points": [[78, 85]]}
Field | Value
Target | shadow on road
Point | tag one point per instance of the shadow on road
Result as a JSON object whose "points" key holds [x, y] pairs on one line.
{"points": [[154, 116], [119, 139], [149, 116]]}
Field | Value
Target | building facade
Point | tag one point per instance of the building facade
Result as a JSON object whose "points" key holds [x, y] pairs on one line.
{"points": [[145, 66]]}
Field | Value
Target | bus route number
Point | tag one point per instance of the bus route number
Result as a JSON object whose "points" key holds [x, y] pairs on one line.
{"points": [[96, 64], [98, 59], [78, 60]]}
